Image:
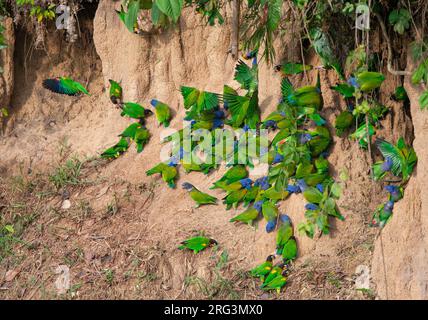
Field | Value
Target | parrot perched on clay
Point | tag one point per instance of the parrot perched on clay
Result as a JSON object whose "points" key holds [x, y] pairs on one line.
{"points": [[248, 216], [277, 283], [162, 112], [137, 133], [403, 157], [197, 244], [135, 111], [116, 150], [263, 269], [270, 213], [382, 214], [395, 193], [65, 85], [199, 197], [234, 174], [343, 121], [307, 96], [115, 92], [276, 270], [367, 81], [284, 233], [233, 198], [167, 171]]}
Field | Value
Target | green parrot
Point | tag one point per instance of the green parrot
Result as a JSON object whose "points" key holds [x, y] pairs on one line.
{"points": [[400, 94], [199, 197], [361, 134], [270, 214], [137, 133], [233, 198], [162, 111], [198, 101], [263, 269], [64, 85], [277, 283], [115, 92], [248, 216], [116, 150], [234, 174], [197, 244], [343, 121], [285, 232], [276, 270], [403, 157], [243, 110], [367, 81], [291, 68], [382, 214], [135, 111], [247, 77], [346, 90], [320, 140], [167, 171], [251, 195], [307, 96], [289, 250]]}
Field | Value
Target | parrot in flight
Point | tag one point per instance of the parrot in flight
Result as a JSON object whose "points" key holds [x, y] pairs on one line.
{"points": [[197, 244], [198, 101], [65, 85], [115, 92], [263, 269], [199, 197], [290, 68], [162, 111], [247, 77], [167, 171], [244, 110]]}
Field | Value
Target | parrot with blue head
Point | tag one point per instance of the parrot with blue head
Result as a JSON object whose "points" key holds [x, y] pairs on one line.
{"points": [[162, 112], [199, 197]]}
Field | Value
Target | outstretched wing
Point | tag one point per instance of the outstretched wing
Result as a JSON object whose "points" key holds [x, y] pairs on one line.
{"points": [[388, 150], [57, 86]]}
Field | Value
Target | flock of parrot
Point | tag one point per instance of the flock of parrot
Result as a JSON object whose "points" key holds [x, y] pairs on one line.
{"points": [[297, 154]]}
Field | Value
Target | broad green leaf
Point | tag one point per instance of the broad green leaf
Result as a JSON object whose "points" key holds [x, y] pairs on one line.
{"points": [[172, 8], [132, 14]]}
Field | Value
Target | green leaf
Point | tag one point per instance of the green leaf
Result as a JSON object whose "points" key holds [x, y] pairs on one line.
{"points": [[423, 100], [336, 190], [172, 8], [132, 14], [400, 19]]}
